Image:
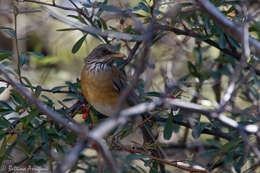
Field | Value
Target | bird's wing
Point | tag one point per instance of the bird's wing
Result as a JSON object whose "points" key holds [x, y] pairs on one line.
{"points": [[119, 82]]}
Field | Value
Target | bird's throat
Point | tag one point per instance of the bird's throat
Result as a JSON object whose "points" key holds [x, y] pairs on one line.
{"points": [[97, 67]]}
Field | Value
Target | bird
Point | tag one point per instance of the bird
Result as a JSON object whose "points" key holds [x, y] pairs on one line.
{"points": [[102, 83]]}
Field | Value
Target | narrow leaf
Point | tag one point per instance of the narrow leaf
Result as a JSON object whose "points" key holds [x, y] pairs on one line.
{"points": [[37, 54], [78, 44], [168, 128]]}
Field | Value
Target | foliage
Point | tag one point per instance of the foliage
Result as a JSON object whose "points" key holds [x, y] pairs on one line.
{"points": [[221, 148]]}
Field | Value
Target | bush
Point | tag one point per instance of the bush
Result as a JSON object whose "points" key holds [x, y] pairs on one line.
{"points": [[194, 65]]}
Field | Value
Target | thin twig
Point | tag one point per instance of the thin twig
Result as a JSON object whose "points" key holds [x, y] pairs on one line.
{"points": [[17, 46], [52, 5], [178, 164], [131, 55]]}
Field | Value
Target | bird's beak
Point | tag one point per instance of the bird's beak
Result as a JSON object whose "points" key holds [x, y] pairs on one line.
{"points": [[118, 56]]}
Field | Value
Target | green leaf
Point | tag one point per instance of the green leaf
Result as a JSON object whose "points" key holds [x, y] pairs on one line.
{"points": [[5, 105], [39, 160], [254, 92], [222, 41], [153, 94], [5, 54], [10, 33], [2, 89], [23, 38], [4, 123], [17, 98], [68, 29], [59, 148], [4, 27], [44, 135], [2, 134], [57, 88], [37, 54], [28, 82], [79, 18], [78, 44], [3, 147], [168, 128], [49, 101], [4, 111], [257, 81], [144, 7], [198, 57], [71, 86], [23, 60], [158, 37], [192, 69], [109, 8], [31, 115], [103, 22], [135, 156], [233, 42], [210, 153], [148, 163], [196, 131]]}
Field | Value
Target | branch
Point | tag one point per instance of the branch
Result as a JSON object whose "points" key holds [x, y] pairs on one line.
{"points": [[131, 55], [93, 30], [208, 131], [235, 30], [104, 127]]}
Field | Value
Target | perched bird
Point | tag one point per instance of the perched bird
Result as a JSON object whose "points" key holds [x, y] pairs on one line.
{"points": [[101, 84]]}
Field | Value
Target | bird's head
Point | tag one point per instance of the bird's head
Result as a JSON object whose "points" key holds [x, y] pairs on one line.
{"points": [[102, 56]]}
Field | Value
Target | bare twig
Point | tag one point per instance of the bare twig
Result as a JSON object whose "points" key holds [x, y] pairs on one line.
{"points": [[131, 55], [52, 5], [16, 45]]}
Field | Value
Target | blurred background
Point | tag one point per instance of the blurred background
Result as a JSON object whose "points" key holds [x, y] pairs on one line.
{"points": [[50, 61]]}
